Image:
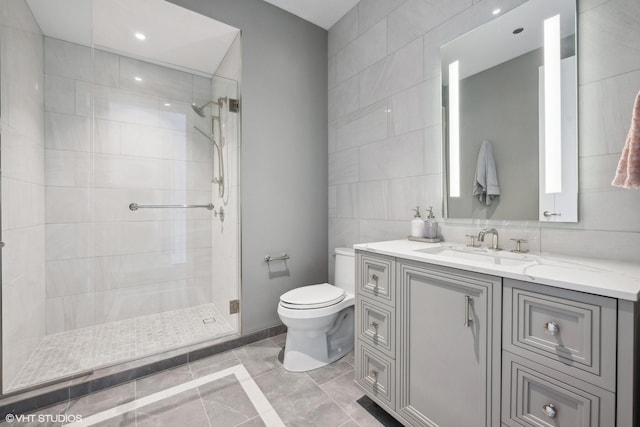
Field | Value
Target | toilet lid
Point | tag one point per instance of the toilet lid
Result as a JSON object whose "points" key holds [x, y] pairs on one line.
{"points": [[312, 296]]}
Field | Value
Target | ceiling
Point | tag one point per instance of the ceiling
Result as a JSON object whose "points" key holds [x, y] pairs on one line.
{"points": [[323, 13], [112, 24]]}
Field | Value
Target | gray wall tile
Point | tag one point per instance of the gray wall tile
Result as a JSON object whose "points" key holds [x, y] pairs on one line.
{"points": [[397, 157], [343, 32], [610, 33], [393, 74], [416, 17], [369, 125], [343, 99], [364, 51], [372, 11], [343, 166], [373, 200]]}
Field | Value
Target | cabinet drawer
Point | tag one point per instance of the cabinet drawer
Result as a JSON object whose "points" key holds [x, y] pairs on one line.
{"points": [[376, 278], [531, 398], [570, 331], [376, 325], [375, 373]]}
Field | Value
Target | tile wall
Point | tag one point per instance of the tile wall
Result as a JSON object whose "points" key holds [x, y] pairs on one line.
{"points": [[385, 124], [103, 261], [23, 185]]}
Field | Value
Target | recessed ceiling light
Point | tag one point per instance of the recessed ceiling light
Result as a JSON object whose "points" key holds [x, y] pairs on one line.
{"points": [[140, 36], [166, 104], [497, 11], [137, 78]]}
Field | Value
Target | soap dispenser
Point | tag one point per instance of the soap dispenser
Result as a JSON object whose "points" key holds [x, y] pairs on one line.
{"points": [[431, 225], [417, 224]]}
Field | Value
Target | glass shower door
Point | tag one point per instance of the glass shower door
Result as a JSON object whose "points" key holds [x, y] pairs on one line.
{"points": [[46, 203], [120, 196]]}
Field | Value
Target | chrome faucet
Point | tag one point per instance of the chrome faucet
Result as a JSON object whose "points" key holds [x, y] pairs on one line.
{"points": [[494, 242]]}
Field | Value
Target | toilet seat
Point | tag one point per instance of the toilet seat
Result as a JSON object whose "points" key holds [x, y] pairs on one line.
{"points": [[312, 297]]}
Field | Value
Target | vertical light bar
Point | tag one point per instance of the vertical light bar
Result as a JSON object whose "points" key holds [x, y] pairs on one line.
{"points": [[552, 107], [454, 129]]}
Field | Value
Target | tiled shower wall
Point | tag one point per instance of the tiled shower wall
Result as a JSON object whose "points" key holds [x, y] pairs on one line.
{"points": [[23, 190], [385, 124], [104, 262]]}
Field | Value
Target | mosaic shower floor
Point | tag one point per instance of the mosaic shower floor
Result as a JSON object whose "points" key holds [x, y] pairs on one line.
{"points": [[72, 352]]}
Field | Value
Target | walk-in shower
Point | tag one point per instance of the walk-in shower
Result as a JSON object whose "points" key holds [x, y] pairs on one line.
{"points": [[113, 248]]}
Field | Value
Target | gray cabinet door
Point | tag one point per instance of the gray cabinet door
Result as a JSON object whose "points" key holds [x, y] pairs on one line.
{"points": [[448, 335]]}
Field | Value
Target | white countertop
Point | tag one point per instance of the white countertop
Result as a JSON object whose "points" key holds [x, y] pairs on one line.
{"points": [[596, 276]]}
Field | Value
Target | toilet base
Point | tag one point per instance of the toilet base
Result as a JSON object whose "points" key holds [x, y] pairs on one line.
{"points": [[305, 350]]}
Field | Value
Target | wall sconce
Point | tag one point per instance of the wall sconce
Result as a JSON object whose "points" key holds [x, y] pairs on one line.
{"points": [[552, 106], [454, 129]]}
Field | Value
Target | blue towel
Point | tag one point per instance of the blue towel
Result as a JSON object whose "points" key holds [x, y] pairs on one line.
{"points": [[485, 184]]}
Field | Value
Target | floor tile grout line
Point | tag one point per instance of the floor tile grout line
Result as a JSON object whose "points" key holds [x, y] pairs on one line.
{"points": [[193, 374], [259, 401], [202, 402], [331, 398]]}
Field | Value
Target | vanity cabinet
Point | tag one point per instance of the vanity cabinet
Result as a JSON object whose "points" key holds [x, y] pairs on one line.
{"points": [[442, 346], [448, 339], [427, 336]]}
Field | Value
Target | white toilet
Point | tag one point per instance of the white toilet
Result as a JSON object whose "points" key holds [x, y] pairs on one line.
{"points": [[319, 318]]}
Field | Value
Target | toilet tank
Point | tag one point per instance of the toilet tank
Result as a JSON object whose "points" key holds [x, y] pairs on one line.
{"points": [[345, 269]]}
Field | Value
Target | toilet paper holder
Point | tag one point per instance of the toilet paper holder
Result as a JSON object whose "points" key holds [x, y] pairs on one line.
{"points": [[281, 257]]}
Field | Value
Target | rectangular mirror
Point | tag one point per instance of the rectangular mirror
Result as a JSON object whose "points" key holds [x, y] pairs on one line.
{"points": [[509, 96]]}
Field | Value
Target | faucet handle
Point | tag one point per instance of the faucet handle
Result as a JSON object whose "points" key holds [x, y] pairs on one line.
{"points": [[471, 240], [518, 248]]}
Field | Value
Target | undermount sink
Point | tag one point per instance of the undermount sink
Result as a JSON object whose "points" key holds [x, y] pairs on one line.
{"points": [[485, 256]]}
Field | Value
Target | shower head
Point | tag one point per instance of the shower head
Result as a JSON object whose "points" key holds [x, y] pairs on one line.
{"points": [[200, 110]]}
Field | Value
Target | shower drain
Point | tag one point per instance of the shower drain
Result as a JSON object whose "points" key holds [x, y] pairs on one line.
{"points": [[208, 320]]}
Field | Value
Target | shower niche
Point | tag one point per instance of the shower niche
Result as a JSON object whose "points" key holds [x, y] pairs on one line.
{"points": [[102, 109]]}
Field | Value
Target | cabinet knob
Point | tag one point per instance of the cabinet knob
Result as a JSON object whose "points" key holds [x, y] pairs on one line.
{"points": [[550, 410], [374, 278], [1, 245], [374, 375], [549, 213], [552, 328]]}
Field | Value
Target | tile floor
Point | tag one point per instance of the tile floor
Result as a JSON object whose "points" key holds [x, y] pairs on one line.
{"points": [[79, 350], [242, 387]]}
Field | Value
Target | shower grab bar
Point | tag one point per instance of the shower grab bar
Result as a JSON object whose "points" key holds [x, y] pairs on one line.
{"points": [[135, 206], [269, 258]]}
